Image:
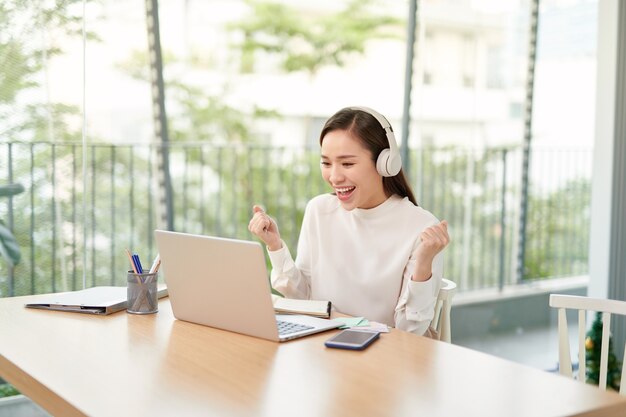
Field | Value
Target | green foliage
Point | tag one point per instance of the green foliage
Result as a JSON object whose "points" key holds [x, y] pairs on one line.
{"points": [[29, 119], [202, 117], [9, 249], [465, 185], [15, 69], [22, 60], [195, 115], [593, 345], [466, 188], [7, 390], [558, 230], [310, 42]]}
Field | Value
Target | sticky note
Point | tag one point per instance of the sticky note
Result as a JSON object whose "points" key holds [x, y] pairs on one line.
{"points": [[352, 321]]}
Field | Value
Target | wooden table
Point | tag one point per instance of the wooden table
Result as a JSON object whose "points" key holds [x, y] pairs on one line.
{"points": [[128, 365]]}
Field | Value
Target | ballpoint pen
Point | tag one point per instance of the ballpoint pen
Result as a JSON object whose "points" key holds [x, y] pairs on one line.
{"points": [[138, 263], [156, 264]]}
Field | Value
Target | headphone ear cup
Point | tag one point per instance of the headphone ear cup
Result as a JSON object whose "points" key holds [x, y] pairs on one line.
{"points": [[394, 164], [388, 165], [382, 161]]}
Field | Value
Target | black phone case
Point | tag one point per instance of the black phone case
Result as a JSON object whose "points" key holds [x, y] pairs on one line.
{"points": [[331, 344]]}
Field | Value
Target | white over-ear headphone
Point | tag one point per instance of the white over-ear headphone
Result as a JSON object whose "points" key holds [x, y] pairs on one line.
{"points": [[389, 161]]}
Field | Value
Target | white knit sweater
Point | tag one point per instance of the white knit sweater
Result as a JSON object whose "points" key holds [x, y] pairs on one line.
{"points": [[362, 261]]}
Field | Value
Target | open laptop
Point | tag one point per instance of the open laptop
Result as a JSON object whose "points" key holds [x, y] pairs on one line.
{"points": [[223, 283]]}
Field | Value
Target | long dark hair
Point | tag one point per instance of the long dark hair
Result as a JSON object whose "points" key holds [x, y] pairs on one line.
{"points": [[364, 127]]}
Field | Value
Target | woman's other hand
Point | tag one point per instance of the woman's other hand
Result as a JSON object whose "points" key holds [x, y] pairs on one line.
{"points": [[265, 228], [434, 239]]}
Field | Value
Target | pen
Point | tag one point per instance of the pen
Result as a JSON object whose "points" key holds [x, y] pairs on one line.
{"points": [[138, 263], [132, 261], [156, 264]]}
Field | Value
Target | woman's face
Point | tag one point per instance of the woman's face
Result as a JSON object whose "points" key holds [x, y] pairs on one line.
{"points": [[348, 167]]}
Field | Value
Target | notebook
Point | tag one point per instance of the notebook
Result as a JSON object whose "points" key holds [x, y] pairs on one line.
{"points": [[316, 308], [223, 283], [94, 300]]}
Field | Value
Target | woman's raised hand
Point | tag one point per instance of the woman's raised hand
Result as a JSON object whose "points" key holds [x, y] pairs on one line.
{"points": [[265, 228], [434, 239]]}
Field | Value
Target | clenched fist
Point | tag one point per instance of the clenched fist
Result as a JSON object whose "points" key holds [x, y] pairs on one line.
{"points": [[265, 228], [433, 240]]}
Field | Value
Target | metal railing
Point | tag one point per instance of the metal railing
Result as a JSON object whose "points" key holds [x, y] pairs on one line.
{"points": [[63, 231]]}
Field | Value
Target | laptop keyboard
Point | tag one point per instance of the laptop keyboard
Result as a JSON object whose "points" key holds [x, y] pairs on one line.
{"points": [[285, 327]]}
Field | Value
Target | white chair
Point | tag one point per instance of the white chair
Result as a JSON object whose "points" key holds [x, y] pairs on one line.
{"points": [[584, 304], [441, 319]]}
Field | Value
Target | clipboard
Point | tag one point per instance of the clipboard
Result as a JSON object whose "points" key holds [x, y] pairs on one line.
{"points": [[96, 300]]}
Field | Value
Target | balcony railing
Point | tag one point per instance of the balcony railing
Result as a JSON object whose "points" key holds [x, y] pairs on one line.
{"points": [[67, 222]]}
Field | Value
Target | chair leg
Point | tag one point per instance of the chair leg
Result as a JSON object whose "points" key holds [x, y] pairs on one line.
{"points": [[622, 385], [582, 329], [604, 353], [446, 333], [565, 360]]}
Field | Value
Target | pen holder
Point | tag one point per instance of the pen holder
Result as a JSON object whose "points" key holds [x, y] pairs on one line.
{"points": [[142, 293]]}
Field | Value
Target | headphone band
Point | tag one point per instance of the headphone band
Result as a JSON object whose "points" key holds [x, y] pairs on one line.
{"points": [[388, 162], [384, 123]]}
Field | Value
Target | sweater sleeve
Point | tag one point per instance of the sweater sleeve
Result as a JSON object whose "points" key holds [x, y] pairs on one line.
{"points": [[416, 304], [286, 277], [293, 279]]}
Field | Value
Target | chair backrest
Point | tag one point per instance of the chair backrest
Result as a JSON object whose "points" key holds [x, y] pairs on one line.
{"points": [[441, 319], [583, 305]]}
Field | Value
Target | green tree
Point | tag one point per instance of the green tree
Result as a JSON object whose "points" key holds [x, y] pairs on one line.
{"points": [[28, 117], [22, 58], [593, 345], [465, 186], [558, 231], [308, 42]]}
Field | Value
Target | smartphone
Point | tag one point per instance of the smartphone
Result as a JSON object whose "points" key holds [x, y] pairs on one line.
{"points": [[352, 339]]}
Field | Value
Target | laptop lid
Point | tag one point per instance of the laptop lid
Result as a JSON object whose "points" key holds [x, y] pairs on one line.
{"points": [[222, 283], [95, 300]]}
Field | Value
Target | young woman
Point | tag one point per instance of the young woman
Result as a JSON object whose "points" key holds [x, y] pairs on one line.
{"points": [[367, 247]]}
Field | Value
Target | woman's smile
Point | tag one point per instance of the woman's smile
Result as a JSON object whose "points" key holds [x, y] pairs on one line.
{"points": [[344, 193]]}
